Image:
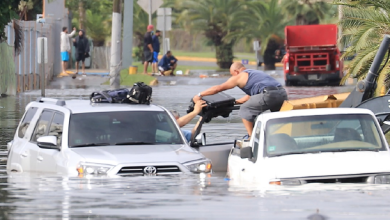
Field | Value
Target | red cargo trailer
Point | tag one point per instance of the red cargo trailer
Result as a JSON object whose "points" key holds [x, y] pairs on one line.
{"points": [[312, 55]]}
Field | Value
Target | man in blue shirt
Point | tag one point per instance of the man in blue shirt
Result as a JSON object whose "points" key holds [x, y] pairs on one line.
{"points": [[181, 121], [156, 51], [167, 62]]}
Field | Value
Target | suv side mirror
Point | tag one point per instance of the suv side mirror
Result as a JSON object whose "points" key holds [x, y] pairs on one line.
{"points": [[246, 152], [200, 139], [49, 142]]}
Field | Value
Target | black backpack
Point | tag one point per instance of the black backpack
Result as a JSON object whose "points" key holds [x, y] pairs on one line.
{"points": [[111, 96], [140, 93]]}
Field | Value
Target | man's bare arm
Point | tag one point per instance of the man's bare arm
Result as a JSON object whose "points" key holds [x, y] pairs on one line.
{"points": [[196, 127], [229, 84], [243, 99], [188, 117], [150, 47]]}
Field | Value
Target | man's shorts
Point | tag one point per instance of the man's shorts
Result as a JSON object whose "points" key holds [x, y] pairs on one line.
{"points": [[270, 100], [155, 57], [161, 68], [65, 56], [148, 56], [80, 57]]}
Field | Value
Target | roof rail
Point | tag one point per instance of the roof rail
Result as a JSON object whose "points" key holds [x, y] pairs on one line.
{"points": [[55, 101]]}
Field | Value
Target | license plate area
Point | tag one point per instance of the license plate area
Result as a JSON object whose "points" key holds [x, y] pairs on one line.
{"points": [[312, 77]]}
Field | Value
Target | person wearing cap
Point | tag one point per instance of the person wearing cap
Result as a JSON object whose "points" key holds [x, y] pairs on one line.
{"points": [[148, 48], [156, 51]]}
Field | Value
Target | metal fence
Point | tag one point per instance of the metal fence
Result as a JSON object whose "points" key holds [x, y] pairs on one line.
{"points": [[27, 70]]}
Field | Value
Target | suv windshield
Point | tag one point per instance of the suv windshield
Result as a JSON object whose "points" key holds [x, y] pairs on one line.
{"points": [[122, 128], [322, 133]]}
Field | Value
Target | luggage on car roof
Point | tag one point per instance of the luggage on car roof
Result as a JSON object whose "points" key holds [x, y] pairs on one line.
{"points": [[140, 93]]}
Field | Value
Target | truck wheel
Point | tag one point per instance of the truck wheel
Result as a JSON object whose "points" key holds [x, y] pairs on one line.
{"points": [[328, 67], [296, 69]]}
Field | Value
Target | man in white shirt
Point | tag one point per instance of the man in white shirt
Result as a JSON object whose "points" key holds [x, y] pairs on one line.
{"points": [[65, 48]]}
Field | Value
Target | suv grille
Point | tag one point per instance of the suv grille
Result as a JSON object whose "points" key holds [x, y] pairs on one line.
{"points": [[359, 179], [140, 169]]}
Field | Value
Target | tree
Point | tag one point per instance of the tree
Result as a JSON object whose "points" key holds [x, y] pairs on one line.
{"points": [[364, 24], [215, 19], [306, 11], [266, 22], [7, 13], [97, 26], [140, 22]]}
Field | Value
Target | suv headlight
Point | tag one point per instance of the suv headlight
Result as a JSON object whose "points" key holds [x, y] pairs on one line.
{"points": [[199, 166], [93, 169], [382, 179], [287, 182]]}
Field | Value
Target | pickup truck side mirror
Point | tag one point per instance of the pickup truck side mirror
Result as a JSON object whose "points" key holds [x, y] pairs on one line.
{"points": [[246, 152], [48, 142]]}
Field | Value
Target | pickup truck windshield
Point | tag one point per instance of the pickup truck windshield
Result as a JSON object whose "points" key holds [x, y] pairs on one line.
{"points": [[122, 128], [322, 133]]}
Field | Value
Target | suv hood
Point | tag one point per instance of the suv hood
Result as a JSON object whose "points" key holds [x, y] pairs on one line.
{"points": [[137, 154], [328, 164]]}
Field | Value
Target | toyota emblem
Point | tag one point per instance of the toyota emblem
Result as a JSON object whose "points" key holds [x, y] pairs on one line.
{"points": [[150, 170]]}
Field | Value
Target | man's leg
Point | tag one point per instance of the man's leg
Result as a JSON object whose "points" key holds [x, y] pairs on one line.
{"points": [[77, 67], [83, 65], [251, 109], [173, 67], [248, 126], [63, 67]]}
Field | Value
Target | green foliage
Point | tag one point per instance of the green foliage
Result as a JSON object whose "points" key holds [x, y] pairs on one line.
{"points": [[7, 67], [140, 22], [308, 11], [364, 24], [98, 27], [7, 13], [215, 19]]}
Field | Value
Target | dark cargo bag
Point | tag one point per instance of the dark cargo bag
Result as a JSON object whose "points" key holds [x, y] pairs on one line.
{"points": [[140, 93], [110, 96], [219, 104]]}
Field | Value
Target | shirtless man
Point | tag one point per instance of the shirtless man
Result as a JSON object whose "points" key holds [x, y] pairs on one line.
{"points": [[262, 93]]}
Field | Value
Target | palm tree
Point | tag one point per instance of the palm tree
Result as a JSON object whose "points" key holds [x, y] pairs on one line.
{"points": [[364, 24], [266, 22], [97, 27], [215, 19], [140, 22], [306, 11]]}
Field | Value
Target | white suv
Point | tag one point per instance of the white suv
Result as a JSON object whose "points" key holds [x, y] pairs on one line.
{"points": [[80, 138]]}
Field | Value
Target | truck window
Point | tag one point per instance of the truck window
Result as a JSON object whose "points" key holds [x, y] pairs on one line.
{"points": [[26, 121], [56, 127], [42, 126]]}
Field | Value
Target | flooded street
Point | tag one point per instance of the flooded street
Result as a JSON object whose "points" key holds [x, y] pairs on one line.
{"points": [[38, 196]]}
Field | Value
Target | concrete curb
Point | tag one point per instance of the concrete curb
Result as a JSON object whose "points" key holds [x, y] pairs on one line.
{"points": [[204, 59]]}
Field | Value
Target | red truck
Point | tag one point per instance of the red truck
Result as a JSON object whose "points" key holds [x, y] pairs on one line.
{"points": [[312, 56]]}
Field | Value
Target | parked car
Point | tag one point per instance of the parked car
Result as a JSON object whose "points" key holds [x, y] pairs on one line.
{"points": [[80, 138], [333, 145]]}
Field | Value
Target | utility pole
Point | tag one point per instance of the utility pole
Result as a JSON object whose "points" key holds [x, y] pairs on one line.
{"points": [[115, 45], [340, 29], [127, 52]]}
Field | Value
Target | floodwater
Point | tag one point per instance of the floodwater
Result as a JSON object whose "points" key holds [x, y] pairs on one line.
{"points": [[40, 196]]}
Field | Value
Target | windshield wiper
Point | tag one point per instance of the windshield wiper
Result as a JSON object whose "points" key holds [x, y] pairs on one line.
{"points": [[91, 144], [300, 152], [345, 150], [135, 143]]}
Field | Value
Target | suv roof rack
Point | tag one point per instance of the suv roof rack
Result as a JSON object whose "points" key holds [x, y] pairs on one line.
{"points": [[55, 101]]}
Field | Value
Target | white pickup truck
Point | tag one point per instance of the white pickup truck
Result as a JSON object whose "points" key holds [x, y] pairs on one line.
{"points": [[332, 145]]}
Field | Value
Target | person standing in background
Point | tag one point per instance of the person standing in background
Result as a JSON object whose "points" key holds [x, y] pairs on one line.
{"points": [[148, 48], [82, 49], [156, 51], [65, 48]]}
